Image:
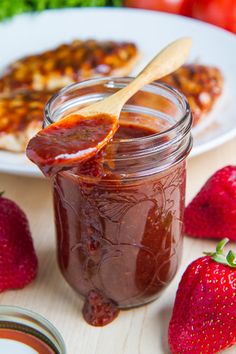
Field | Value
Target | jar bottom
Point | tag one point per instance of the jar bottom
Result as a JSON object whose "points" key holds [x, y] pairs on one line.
{"points": [[143, 303], [132, 305]]}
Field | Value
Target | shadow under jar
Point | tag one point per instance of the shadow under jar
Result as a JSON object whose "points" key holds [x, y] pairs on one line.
{"points": [[119, 215]]}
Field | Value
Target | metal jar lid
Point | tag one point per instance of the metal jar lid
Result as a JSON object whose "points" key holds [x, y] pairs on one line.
{"points": [[30, 323]]}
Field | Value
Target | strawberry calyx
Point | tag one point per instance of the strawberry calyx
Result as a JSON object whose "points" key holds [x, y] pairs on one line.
{"points": [[1, 193], [219, 256]]}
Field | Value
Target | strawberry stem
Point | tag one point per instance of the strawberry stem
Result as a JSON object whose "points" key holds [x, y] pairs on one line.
{"points": [[1, 193], [220, 257], [220, 246], [231, 257]]}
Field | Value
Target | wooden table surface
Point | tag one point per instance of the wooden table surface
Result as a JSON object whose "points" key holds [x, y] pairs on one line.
{"points": [[138, 331]]}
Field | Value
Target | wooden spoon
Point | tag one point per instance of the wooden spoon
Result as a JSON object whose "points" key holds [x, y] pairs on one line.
{"points": [[81, 135], [164, 63]]}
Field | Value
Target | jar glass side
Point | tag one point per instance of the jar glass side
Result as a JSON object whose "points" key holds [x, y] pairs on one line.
{"points": [[119, 216], [123, 239]]}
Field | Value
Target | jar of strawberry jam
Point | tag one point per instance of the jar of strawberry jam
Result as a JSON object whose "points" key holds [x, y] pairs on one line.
{"points": [[119, 215]]}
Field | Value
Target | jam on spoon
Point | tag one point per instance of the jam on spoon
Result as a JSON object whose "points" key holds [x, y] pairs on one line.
{"points": [[70, 141]]}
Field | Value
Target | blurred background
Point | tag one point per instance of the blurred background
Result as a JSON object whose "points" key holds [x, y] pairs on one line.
{"points": [[221, 13]]}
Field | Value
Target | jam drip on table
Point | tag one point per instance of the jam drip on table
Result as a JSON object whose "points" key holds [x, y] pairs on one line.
{"points": [[98, 310]]}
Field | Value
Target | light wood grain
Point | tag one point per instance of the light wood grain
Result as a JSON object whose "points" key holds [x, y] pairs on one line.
{"points": [[138, 331]]}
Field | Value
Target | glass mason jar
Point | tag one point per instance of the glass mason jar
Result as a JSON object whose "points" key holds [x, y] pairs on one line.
{"points": [[119, 216]]}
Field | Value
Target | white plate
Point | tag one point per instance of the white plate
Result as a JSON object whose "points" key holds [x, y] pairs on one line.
{"points": [[150, 31]]}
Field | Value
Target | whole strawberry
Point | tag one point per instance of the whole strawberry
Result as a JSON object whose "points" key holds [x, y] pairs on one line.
{"points": [[18, 261], [212, 213], [204, 314]]}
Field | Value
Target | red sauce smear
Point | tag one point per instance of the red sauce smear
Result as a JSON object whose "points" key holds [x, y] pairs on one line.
{"points": [[99, 310], [70, 141], [133, 131]]}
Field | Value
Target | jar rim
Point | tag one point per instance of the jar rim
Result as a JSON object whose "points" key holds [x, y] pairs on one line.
{"points": [[127, 79], [34, 321], [171, 144]]}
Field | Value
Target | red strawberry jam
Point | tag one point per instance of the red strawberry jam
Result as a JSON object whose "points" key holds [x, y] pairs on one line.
{"points": [[70, 141], [119, 209], [119, 242], [98, 310]]}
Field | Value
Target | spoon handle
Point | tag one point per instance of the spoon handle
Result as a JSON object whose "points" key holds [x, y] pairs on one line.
{"points": [[165, 62]]}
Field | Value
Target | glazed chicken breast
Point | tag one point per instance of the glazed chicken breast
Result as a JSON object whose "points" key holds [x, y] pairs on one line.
{"points": [[68, 63], [27, 83], [31, 81], [21, 117], [201, 85]]}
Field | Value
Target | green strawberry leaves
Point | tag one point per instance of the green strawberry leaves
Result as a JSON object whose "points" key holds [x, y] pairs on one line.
{"points": [[231, 259], [220, 257]]}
